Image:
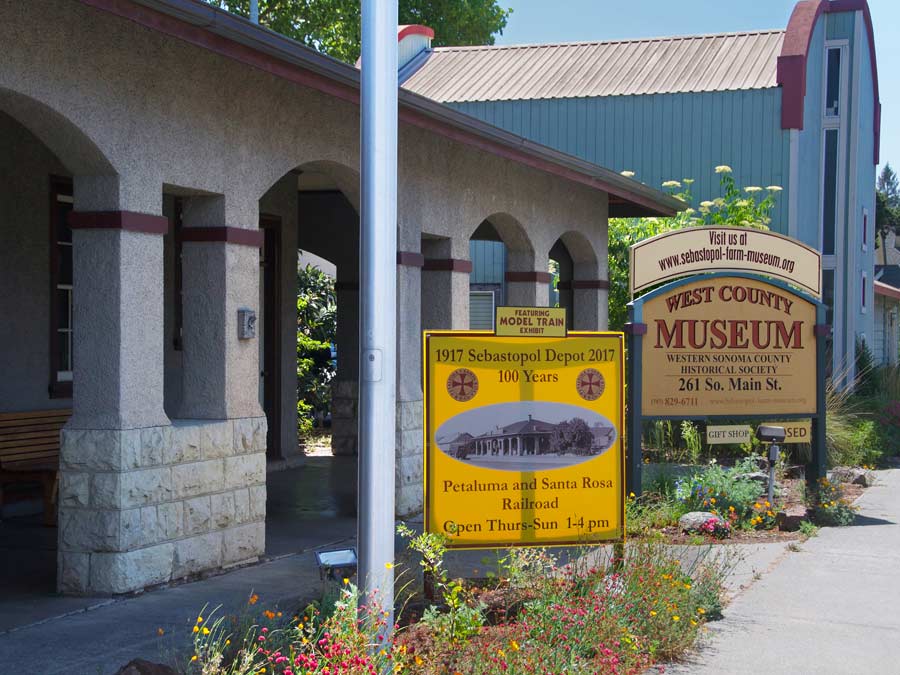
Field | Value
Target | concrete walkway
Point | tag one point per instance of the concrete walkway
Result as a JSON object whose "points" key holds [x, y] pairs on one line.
{"points": [[832, 608]]}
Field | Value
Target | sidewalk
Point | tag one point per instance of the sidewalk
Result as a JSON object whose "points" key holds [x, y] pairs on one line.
{"points": [[829, 609]]}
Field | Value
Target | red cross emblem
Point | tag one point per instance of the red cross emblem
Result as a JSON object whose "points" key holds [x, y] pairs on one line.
{"points": [[462, 385], [590, 384]]}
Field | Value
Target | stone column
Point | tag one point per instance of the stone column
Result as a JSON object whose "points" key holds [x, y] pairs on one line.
{"points": [[528, 289], [345, 387], [409, 465], [445, 284], [118, 418]]}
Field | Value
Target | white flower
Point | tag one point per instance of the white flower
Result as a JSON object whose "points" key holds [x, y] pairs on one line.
{"points": [[719, 201], [687, 181], [671, 184], [774, 188], [627, 174], [723, 168], [753, 188], [688, 212], [706, 204]]}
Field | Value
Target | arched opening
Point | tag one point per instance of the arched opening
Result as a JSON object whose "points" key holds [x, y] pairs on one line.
{"points": [[502, 269], [40, 153], [577, 286], [308, 340]]}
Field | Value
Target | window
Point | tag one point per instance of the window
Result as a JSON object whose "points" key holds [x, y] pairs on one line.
{"points": [[833, 83], [481, 310], [864, 280], [828, 300], [865, 230], [61, 315], [829, 192]]}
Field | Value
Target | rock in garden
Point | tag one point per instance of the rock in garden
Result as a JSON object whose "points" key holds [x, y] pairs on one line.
{"points": [[852, 474], [142, 667], [692, 521]]}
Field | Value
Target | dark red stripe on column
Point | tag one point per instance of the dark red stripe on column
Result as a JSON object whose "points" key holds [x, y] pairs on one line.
{"points": [[447, 265], [229, 235], [532, 277], [118, 220], [410, 259], [582, 284]]}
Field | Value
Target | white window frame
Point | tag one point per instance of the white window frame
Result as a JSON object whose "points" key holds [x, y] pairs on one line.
{"points": [[493, 304], [65, 375]]}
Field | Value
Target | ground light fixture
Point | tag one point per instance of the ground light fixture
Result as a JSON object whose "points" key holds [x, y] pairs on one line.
{"points": [[773, 436], [340, 563]]}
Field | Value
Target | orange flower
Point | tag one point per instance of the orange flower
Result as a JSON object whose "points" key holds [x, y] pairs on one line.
{"points": [[252, 600]]}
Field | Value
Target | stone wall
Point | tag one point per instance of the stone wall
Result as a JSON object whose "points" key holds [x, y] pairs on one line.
{"points": [[139, 507]]}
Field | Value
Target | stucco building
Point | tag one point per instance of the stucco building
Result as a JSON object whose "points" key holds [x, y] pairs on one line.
{"points": [[162, 164], [796, 107]]}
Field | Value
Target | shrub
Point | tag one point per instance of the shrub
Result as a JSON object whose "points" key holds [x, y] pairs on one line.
{"points": [[829, 505], [316, 329], [725, 492]]}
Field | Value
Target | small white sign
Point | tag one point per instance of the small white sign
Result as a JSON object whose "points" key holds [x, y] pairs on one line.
{"points": [[727, 434]]}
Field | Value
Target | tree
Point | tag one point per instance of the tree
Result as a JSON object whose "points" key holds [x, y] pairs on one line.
{"points": [[887, 205], [888, 185], [572, 436], [333, 26], [316, 328], [736, 207]]}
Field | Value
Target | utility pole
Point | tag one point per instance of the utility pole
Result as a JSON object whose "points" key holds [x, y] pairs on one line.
{"points": [[378, 301], [254, 11]]}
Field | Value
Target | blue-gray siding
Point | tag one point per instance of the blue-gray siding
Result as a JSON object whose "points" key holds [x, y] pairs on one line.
{"points": [[662, 136]]}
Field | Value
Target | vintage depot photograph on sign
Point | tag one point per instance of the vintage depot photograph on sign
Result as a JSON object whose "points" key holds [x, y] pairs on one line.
{"points": [[728, 345], [523, 438]]}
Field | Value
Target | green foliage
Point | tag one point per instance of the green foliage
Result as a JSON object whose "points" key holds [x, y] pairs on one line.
{"points": [[652, 511], [829, 505], [728, 494], [808, 529], [333, 26], [692, 440], [748, 208], [865, 369], [316, 326]]}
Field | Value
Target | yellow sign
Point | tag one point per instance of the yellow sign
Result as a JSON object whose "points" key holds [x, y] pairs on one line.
{"points": [[721, 435], [795, 431], [523, 438], [531, 321], [694, 250], [728, 346]]}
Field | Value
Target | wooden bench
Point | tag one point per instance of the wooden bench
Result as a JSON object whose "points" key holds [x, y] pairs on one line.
{"points": [[29, 452]]}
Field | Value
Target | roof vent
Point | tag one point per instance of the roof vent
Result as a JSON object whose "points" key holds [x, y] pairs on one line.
{"points": [[412, 40]]}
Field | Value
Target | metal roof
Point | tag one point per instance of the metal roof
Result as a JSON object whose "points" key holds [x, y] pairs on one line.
{"points": [[728, 61]]}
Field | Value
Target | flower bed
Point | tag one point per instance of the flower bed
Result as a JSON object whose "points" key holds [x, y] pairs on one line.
{"points": [[612, 616]]}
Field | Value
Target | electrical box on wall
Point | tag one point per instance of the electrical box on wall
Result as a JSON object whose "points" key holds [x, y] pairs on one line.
{"points": [[246, 323]]}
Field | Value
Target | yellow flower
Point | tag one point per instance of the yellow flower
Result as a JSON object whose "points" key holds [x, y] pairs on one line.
{"points": [[676, 618], [388, 565], [514, 646], [419, 660], [278, 615], [652, 612], [701, 611], [193, 658], [199, 619], [712, 500], [196, 629], [227, 642], [501, 653], [693, 623], [346, 581], [687, 586], [205, 630], [160, 631], [631, 494], [723, 168]]}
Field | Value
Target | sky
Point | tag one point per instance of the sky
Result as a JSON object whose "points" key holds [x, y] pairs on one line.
{"points": [[576, 20]]}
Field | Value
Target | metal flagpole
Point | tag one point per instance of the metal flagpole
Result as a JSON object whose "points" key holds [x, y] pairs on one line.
{"points": [[378, 299]]}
